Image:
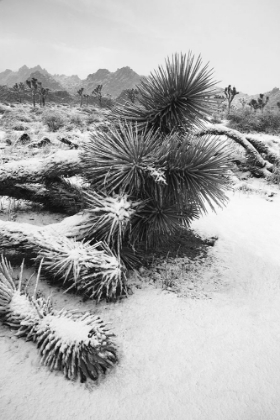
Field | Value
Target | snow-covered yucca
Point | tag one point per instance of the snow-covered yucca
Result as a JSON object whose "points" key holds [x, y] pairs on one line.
{"points": [[93, 270], [108, 217], [76, 343]]}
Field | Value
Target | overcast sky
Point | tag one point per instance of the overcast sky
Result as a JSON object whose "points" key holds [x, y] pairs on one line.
{"points": [[239, 38]]}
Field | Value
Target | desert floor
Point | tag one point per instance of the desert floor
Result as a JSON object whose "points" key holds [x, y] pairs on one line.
{"points": [[181, 356]]}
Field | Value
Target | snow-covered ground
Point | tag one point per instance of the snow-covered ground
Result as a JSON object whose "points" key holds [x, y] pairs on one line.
{"points": [[180, 358]]}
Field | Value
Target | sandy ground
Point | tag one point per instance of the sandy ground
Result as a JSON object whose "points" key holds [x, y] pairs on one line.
{"points": [[180, 358]]}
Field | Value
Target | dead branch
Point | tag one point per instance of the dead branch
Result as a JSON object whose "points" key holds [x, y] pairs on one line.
{"points": [[264, 167]]}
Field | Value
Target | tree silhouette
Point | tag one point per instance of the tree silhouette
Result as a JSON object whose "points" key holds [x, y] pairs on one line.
{"points": [[33, 86], [230, 93], [97, 92], [43, 93], [80, 93]]}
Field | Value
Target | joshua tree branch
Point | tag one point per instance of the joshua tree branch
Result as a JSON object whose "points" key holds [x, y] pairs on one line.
{"points": [[34, 170], [264, 166]]}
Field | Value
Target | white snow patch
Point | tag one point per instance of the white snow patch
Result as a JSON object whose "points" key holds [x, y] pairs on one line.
{"points": [[21, 305], [70, 331]]}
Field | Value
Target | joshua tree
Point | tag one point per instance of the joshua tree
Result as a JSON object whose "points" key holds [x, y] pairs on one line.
{"points": [[147, 176], [19, 88], [230, 93], [131, 93], [80, 93], [33, 86], [85, 355], [97, 92], [43, 93], [86, 98], [150, 165], [262, 101], [253, 104]]}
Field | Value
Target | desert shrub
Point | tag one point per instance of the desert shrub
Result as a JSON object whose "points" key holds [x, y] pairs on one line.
{"points": [[269, 122], [77, 120], [69, 127], [54, 120], [248, 121], [91, 119]]}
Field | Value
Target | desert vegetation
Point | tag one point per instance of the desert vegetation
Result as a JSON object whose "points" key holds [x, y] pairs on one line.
{"points": [[127, 179]]}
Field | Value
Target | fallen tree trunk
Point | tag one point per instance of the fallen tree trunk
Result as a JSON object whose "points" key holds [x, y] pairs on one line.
{"points": [[91, 269], [30, 192], [264, 167], [63, 195], [65, 202], [34, 170], [261, 147]]}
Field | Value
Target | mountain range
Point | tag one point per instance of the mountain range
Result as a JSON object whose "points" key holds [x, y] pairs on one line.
{"points": [[114, 83]]}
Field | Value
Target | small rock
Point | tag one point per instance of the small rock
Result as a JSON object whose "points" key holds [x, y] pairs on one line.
{"points": [[41, 143], [24, 138], [69, 143], [8, 142]]}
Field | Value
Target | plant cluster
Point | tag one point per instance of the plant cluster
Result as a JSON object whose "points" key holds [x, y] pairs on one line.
{"points": [[36, 87], [54, 120], [247, 121], [149, 175], [95, 95], [259, 103], [19, 88], [78, 344]]}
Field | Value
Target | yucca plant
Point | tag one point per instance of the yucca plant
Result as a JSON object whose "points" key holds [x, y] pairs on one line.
{"points": [[121, 159], [108, 218], [168, 179], [148, 176], [92, 269], [196, 171], [172, 97], [78, 344]]}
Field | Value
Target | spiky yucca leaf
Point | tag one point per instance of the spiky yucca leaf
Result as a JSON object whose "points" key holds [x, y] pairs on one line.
{"points": [[90, 269], [108, 217], [109, 280], [80, 265], [122, 159], [131, 258], [76, 343], [196, 171], [174, 96], [159, 219], [79, 344], [18, 309], [7, 285]]}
